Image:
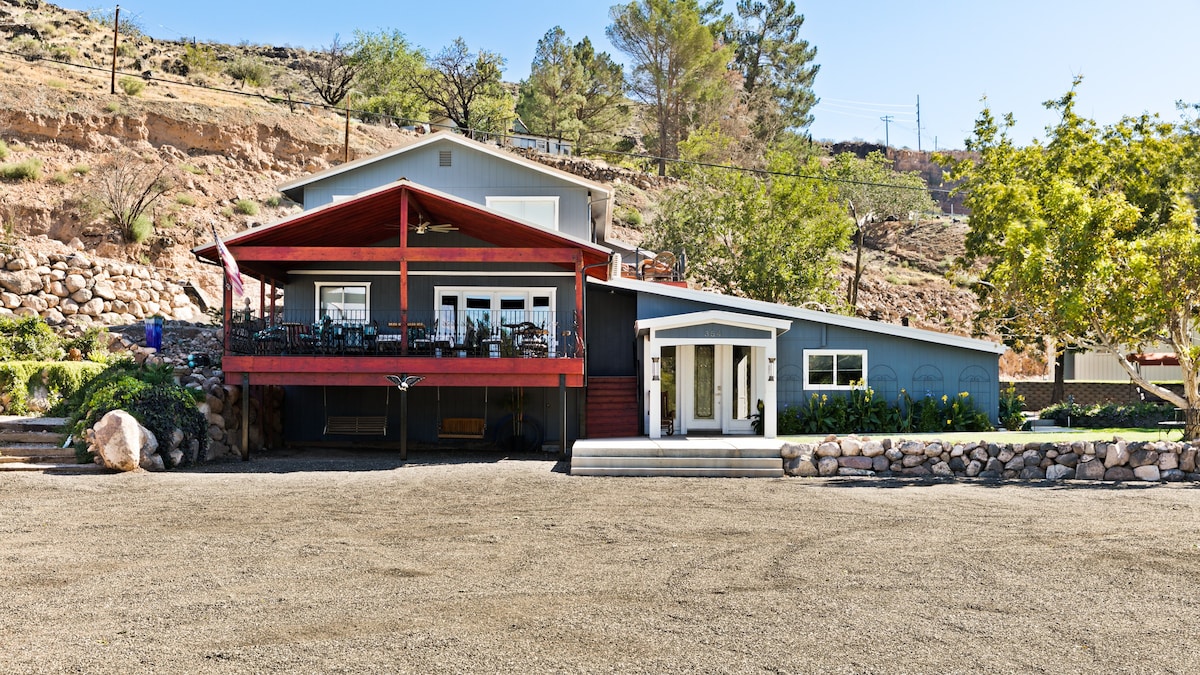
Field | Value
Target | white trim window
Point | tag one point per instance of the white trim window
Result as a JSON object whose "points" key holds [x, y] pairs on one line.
{"points": [[538, 210], [836, 369], [344, 301], [463, 307]]}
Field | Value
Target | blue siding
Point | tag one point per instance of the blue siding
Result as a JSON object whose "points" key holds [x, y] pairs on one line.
{"points": [[473, 176], [893, 362]]}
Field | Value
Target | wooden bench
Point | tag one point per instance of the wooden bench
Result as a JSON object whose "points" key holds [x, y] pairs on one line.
{"points": [[462, 427], [356, 426]]}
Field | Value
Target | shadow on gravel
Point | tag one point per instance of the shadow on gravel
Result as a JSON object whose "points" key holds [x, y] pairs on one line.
{"points": [[301, 459], [891, 483]]}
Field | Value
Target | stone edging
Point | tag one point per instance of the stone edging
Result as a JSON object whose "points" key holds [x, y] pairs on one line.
{"points": [[1081, 460]]}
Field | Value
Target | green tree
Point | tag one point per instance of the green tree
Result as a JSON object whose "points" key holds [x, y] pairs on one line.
{"points": [[873, 192], [768, 237], [1091, 238], [678, 63], [553, 92], [385, 59], [466, 89], [605, 110], [572, 92], [776, 65]]}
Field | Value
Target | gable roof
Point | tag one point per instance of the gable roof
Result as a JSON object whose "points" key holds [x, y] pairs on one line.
{"points": [[601, 208], [758, 306], [365, 219]]}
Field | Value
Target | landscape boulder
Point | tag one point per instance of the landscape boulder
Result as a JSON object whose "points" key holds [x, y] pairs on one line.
{"points": [[121, 443]]}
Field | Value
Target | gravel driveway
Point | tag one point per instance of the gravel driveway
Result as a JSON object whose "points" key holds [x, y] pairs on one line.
{"points": [[471, 563]]}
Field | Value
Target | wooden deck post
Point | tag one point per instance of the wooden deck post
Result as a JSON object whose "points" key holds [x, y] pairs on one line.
{"points": [[562, 416], [404, 282], [404, 425], [245, 417]]}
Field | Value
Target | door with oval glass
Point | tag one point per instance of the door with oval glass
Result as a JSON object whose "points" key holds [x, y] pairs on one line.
{"points": [[717, 388]]}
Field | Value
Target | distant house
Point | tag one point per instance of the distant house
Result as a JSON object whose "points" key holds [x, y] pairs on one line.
{"points": [[518, 136], [493, 277]]}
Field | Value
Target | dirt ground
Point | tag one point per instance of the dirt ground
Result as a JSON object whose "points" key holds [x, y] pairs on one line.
{"points": [[473, 563]]}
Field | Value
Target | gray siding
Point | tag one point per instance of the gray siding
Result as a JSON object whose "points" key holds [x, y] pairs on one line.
{"points": [[612, 342], [472, 175]]}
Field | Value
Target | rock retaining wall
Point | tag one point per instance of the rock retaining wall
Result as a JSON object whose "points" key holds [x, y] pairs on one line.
{"points": [[1081, 460], [72, 287]]}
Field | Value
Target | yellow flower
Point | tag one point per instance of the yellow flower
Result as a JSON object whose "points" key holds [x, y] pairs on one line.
{"points": [[945, 398], [963, 394], [948, 422]]}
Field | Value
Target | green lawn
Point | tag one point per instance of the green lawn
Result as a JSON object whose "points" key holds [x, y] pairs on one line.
{"points": [[1056, 436]]}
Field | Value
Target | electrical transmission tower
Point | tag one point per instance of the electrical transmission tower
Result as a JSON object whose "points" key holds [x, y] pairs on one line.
{"points": [[887, 119]]}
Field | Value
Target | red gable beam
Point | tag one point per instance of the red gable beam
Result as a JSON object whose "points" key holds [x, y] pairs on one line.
{"points": [[394, 254]]}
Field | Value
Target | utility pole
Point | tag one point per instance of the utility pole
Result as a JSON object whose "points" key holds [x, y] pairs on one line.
{"points": [[112, 89], [918, 122], [887, 119]]}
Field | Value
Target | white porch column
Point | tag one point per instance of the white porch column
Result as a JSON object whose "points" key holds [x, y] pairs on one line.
{"points": [[653, 353], [770, 407]]}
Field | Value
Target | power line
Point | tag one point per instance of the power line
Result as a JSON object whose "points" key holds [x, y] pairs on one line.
{"points": [[486, 134]]}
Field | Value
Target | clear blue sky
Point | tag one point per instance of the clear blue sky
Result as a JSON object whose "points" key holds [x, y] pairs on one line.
{"points": [[876, 56]]}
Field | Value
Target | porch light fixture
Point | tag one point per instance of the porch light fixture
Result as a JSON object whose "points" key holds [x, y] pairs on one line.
{"points": [[656, 371], [770, 369]]}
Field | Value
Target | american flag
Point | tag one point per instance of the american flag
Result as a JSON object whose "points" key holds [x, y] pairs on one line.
{"points": [[231, 268]]}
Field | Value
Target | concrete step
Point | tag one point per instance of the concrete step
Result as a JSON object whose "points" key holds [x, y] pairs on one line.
{"points": [[36, 455], [686, 472], [51, 467], [8, 437], [666, 450], [676, 462]]}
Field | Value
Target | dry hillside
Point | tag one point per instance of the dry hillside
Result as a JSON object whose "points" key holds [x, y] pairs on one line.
{"points": [[228, 149]]}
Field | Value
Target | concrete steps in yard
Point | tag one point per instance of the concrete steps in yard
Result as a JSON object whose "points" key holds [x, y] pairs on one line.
{"points": [[36, 444], [725, 456]]}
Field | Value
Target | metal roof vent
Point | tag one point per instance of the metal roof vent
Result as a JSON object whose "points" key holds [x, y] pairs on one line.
{"points": [[444, 157]]}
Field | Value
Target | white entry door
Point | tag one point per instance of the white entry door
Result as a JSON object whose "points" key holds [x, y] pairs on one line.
{"points": [[717, 388], [703, 392]]}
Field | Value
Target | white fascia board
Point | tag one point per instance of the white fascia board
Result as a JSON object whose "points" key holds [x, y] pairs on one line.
{"points": [[759, 306], [713, 316]]}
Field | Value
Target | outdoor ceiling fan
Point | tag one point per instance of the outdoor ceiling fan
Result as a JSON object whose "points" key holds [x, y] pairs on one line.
{"points": [[423, 226]]}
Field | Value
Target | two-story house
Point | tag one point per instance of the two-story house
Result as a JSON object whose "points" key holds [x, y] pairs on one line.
{"points": [[492, 277]]}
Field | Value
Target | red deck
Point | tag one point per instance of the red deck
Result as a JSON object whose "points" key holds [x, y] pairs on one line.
{"points": [[371, 370]]}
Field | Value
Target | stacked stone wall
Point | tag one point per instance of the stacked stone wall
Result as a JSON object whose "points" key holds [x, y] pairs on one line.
{"points": [[1117, 460], [72, 287]]}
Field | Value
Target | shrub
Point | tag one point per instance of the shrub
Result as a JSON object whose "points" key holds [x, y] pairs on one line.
{"points": [[141, 228], [1012, 405], [245, 207], [149, 393], [81, 169], [1096, 416], [192, 168], [3, 150], [30, 169], [273, 201], [863, 411], [185, 200], [249, 70], [59, 380], [28, 339], [60, 178], [200, 59], [92, 344], [64, 53], [112, 107], [132, 86]]}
